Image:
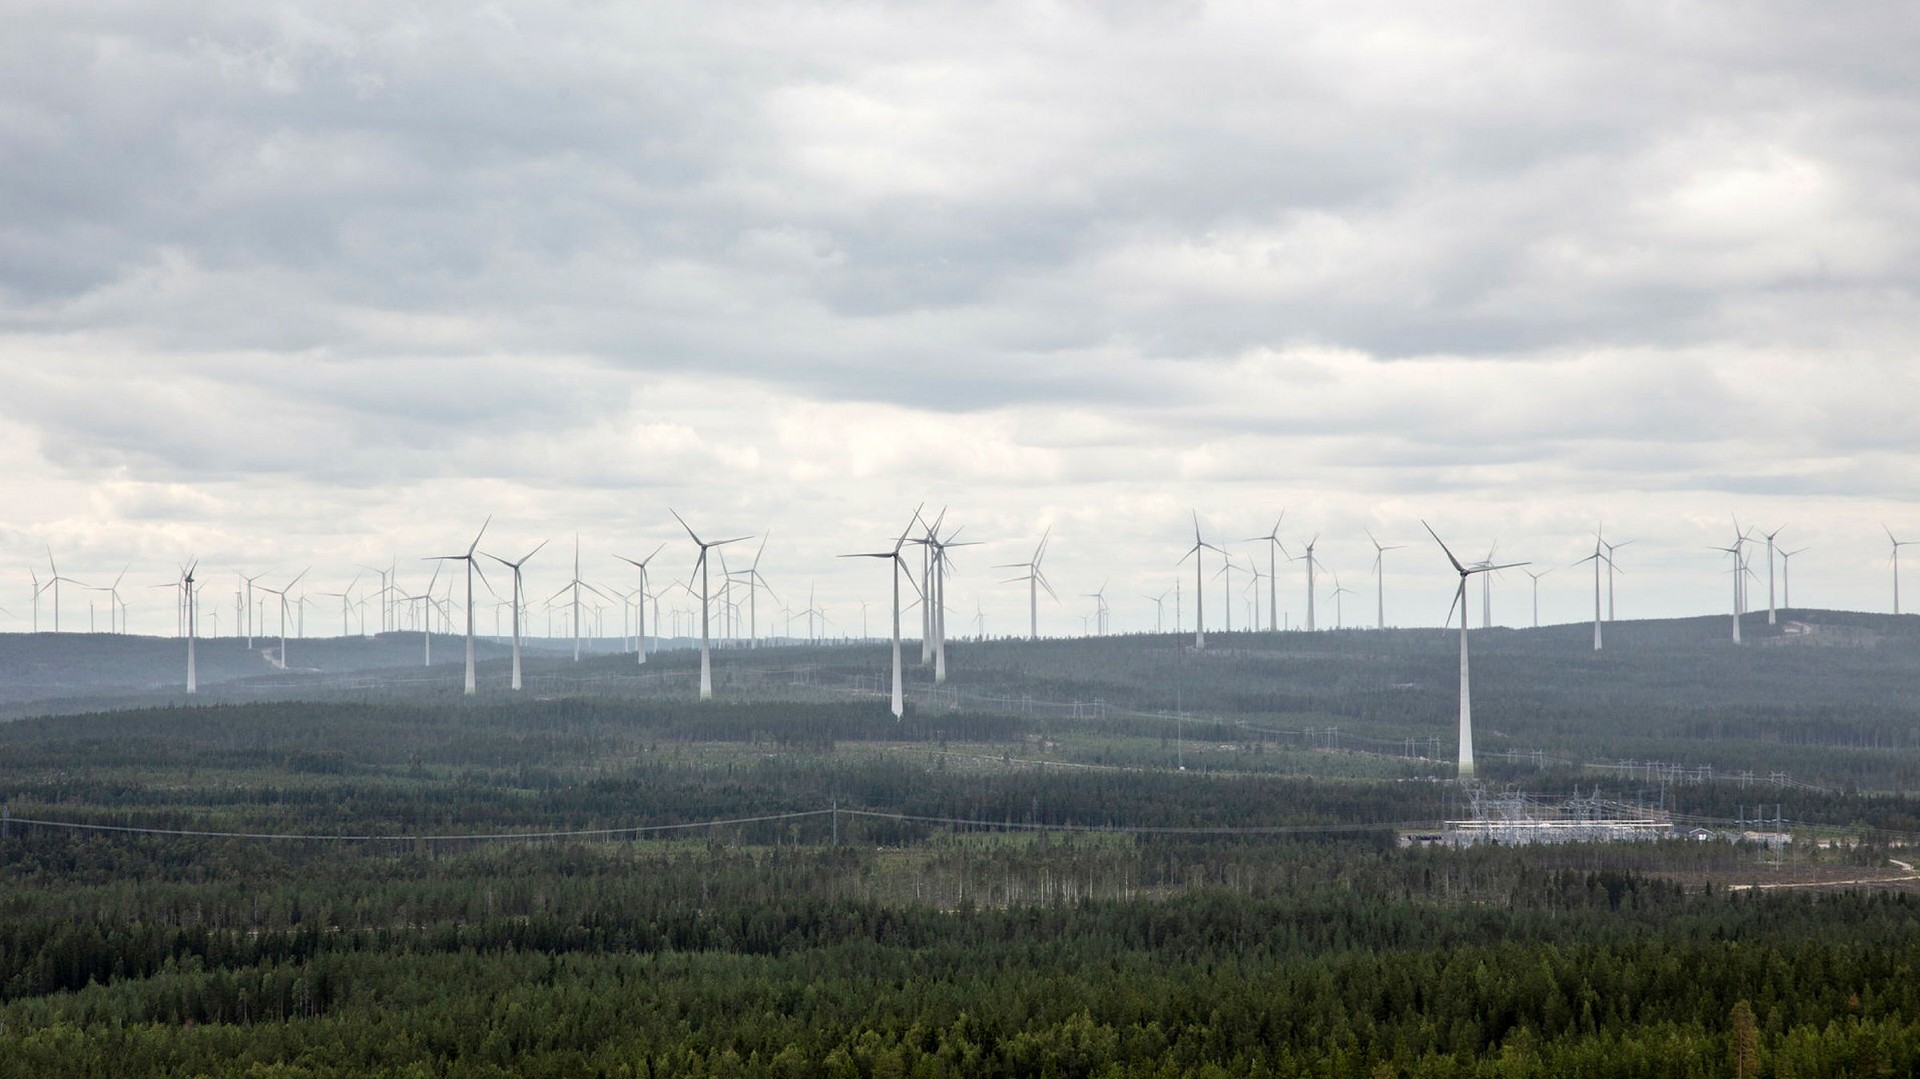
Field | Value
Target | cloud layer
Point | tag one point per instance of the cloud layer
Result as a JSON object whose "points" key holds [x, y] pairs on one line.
{"points": [[290, 283]]}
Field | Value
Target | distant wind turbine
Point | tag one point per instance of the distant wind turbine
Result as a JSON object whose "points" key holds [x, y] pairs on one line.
{"points": [[1894, 561], [706, 602], [473, 566], [1199, 585], [1596, 558], [1035, 581], [641, 565], [1339, 620], [1739, 567], [898, 566], [1536, 593], [54, 583], [1772, 616], [1380, 575], [1311, 562], [1786, 577], [518, 592], [1460, 601], [1275, 549]]}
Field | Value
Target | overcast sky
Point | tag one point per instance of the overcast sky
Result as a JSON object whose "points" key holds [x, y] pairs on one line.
{"points": [[329, 283]]}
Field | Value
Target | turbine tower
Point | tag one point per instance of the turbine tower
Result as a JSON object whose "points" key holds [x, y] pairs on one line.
{"points": [[186, 584], [1274, 549], [1035, 580], [706, 602], [1199, 585], [1339, 621], [517, 601], [899, 566], [1380, 575], [1460, 601]]}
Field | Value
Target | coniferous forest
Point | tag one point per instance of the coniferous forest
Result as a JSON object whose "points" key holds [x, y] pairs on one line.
{"points": [[787, 881]]}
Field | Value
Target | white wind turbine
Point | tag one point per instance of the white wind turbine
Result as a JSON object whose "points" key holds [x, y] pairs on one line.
{"points": [[188, 597], [1611, 566], [1275, 549], [425, 599], [706, 601], [1536, 593], [37, 589], [1226, 589], [1466, 697], [54, 583], [473, 567], [898, 567], [1739, 567], [249, 612], [754, 582], [1786, 577], [1894, 561], [116, 606], [1339, 620], [1035, 580], [1596, 558], [282, 593], [518, 592], [1380, 576], [1311, 562], [1199, 585], [346, 604], [1100, 609], [1159, 608], [641, 565], [574, 586], [1772, 617], [936, 598]]}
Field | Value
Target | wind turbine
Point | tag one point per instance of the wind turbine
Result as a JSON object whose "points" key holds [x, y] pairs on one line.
{"points": [[425, 599], [1738, 568], [1199, 586], [641, 565], [575, 586], [1460, 600], [1786, 577], [1099, 598], [1772, 618], [1380, 575], [37, 589], [936, 597], [346, 605], [517, 601], [1536, 593], [249, 583], [1226, 588], [1339, 621], [1596, 558], [754, 582], [1611, 547], [899, 566], [1309, 559], [473, 566], [116, 607], [282, 593], [54, 583], [706, 603], [1895, 561], [1036, 580], [186, 581], [1159, 608], [1274, 549]]}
